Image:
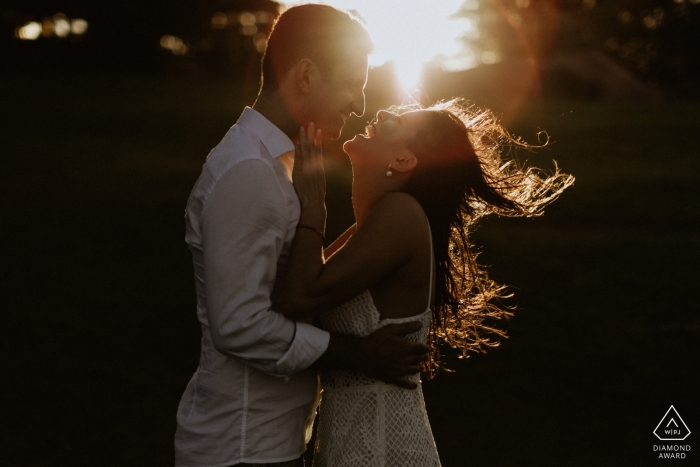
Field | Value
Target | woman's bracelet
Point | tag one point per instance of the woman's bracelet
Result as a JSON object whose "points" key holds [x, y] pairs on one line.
{"points": [[310, 227]]}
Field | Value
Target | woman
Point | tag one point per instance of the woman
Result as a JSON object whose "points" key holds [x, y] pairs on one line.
{"points": [[421, 180]]}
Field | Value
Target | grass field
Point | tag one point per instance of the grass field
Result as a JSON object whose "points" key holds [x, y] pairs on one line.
{"points": [[99, 335]]}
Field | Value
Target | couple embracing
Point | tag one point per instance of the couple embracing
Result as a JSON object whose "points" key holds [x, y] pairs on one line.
{"points": [[366, 313]]}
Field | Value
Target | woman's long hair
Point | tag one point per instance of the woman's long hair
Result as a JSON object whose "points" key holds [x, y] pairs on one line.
{"points": [[460, 178]]}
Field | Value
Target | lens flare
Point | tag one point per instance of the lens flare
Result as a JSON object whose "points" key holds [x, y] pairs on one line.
{"points": [[412, 33]]}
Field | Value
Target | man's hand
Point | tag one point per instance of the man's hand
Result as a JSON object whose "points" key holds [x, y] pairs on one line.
{"points": [[388, 356], [385, 354]]}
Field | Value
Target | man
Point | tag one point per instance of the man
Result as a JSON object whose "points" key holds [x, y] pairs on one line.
{"points": [[252, 399]]}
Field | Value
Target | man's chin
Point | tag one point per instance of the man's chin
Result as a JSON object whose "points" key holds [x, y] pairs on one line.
{"points": [[333, 133]]}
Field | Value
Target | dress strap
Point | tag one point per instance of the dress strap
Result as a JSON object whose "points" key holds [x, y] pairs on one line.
{"points": [[432, 260]]}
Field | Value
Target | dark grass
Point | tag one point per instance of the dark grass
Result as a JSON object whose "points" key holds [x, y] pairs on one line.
{"points": [[99, 335]]}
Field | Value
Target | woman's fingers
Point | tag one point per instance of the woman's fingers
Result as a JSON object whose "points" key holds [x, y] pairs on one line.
{"points": [[310, 145], [313, 141], [309, 142], [317, 153], [308, 152], [304, 145], [317, 144], [300, 151]]}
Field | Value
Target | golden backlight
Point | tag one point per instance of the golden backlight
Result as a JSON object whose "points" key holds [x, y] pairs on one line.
{"points": [[415, 32]]}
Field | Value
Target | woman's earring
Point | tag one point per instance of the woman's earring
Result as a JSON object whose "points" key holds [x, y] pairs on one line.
{"points": [[389, 173]]}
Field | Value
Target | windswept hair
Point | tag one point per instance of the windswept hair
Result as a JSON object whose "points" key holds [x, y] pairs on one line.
{"points": [[322, 33], [461, 177]]}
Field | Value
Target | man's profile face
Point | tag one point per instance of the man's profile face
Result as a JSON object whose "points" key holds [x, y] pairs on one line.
{"points": [[340, 94]]}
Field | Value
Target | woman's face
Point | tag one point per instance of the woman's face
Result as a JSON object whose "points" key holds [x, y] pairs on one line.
{"points": [[385, 138]]}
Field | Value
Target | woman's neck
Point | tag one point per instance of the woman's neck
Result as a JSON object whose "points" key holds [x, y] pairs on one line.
{"points": [[367, 191]]}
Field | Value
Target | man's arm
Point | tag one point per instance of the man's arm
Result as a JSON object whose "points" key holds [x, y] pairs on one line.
{"points": [[383, 355], [245, 222]]}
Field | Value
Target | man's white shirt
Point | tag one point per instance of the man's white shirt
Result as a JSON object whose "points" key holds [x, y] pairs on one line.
{"points": [[252, 398]]}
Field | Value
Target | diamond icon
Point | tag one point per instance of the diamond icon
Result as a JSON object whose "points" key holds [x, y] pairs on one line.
{"points": [[671, 427]]}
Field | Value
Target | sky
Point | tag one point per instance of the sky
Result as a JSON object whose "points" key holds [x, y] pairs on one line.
{"points": [[414, 32]]}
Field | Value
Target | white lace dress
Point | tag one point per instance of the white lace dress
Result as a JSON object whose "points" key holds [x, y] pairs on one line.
{"points": [[363, 421]]}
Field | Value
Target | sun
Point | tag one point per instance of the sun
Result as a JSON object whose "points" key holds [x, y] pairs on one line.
{"points": [[412, 33]]}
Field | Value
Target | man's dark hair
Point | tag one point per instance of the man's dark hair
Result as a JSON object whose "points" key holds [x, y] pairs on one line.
{"points": [[321, 33]]}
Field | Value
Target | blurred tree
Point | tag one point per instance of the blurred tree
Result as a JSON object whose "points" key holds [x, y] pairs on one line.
{"points": [[129, 34], [658, 40], [231, 35]]}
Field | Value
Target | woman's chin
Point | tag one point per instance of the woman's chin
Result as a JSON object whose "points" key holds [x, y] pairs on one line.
{"points": [[349, 145]]}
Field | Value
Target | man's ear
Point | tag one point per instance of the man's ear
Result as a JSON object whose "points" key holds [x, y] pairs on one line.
{"points": [[404, 161], [307, 75]]}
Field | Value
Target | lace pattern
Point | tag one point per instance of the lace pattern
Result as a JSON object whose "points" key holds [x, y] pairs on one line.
{"points": [[363, 421]]}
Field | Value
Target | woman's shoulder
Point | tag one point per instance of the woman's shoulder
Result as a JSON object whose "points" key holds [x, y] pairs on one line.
{"points": [[400, 203], [398, 213]]}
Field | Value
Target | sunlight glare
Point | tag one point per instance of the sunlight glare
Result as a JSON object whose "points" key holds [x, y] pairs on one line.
{"points": [[415, 32]]}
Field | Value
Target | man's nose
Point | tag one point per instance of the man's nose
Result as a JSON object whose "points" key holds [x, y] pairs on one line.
{"points": [[358, 105]]}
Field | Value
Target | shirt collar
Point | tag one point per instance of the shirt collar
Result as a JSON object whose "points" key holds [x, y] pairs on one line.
{"points": [[274, 140]]}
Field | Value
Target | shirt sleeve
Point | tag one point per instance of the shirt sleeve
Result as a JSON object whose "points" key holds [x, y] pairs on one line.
{"points": [[244, 225]]}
